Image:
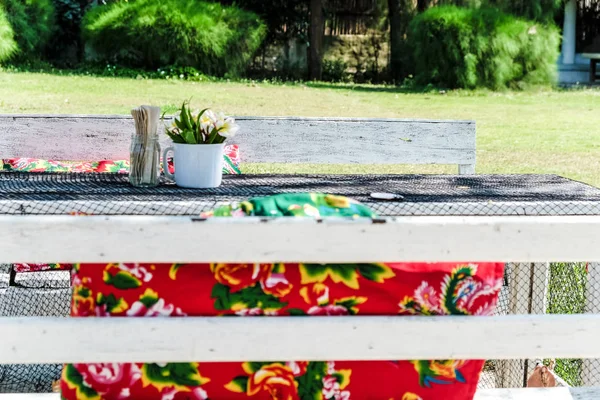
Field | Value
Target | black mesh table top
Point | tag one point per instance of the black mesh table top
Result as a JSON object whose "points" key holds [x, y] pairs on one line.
{"points": [[111, 194]]}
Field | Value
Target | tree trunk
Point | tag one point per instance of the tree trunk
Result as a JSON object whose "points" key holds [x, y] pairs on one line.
{"points": [[422, 5], [317, 28], [400, 13]]}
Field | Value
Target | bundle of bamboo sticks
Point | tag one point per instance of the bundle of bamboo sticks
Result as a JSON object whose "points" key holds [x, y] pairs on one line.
{"points": [[145, 150]]}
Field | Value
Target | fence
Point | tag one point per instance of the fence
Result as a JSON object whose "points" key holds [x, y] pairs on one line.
{"points": [[504, 338]]}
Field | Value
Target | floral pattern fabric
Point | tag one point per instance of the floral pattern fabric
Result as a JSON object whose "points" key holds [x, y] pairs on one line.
{"points": [[281, 289], [231, 165]]}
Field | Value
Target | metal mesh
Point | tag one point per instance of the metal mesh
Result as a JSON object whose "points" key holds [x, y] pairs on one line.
{"points": [[33, 294], [111, 194], [547, 288], [529, 288]]}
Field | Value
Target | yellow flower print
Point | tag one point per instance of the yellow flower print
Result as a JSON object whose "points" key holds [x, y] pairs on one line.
{"points": [[337, 201], [344, 273]]}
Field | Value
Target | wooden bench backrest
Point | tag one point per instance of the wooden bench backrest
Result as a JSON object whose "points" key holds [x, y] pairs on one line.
{"points": [[261, 139]]}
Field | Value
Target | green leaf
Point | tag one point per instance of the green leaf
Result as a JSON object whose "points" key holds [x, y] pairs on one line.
{"points": [[184, 116], [212, 136], [349, 303], [180, 374], [175, 138], [222, 297], [112, 302], [188, 137], [250, 297], [254, 296], [310, 385], [122, 280], [239, 384], [314, 270], [74, 377], [340, 378], [148, 301], [180, 125], [295, 311], [189, 116], [371, 271], [199, 138], [346, 271], [255, 366]]}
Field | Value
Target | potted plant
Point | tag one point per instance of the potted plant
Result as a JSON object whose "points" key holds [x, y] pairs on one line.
{"points": [[198, 141]]}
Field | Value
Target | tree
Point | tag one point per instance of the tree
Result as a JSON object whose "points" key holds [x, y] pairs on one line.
{"points": [[423, 5], [400, 12], [315, 49]]}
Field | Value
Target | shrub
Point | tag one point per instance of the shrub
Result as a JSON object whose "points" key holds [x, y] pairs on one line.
{"points": [[7, 42], [482, 47], [66, 46], [213, 38], [32, 22], [335, 70]]}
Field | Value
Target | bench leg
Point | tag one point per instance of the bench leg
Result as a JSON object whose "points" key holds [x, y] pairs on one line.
{"points": [[593, 70], [466, 169]]}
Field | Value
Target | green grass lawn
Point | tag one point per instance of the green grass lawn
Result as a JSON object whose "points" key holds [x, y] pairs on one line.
{"points": [[530, 132]]}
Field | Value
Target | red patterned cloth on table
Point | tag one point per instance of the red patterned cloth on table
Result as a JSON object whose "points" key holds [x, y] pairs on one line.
{"points": [[231, 164], [179, 290]]}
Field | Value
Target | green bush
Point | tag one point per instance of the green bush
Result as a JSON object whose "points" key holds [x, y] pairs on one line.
{"points": [[215, 39], [32, 22], [7, 42], [482, 47], [335, 70], [66, 46]]}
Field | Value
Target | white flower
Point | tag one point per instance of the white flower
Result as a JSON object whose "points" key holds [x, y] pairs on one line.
{"points": [[227, 127], [158, 309], [136, 270], [207, 121]]}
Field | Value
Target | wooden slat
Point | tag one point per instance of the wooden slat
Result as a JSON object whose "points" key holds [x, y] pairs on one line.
{"points": [[482, 394], [58, 340], [268, 139], [561, 393], [181, 239], [195, 207]]}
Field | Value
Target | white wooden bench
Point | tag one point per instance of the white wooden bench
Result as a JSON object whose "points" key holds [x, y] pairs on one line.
{"points": [[292, 140], [98, 239], [264, 139]]}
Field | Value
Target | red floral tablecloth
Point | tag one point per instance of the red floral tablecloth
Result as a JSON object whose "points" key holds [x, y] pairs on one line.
{"points": [[271, 290]]}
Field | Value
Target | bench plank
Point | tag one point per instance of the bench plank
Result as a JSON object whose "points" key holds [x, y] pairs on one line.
{"points": [[482, 394], [58, 340], [539, 394], [263, 139], [70, 239]]}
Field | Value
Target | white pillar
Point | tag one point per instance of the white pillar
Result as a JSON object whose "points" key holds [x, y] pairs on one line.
{"points": [[568, 40]]}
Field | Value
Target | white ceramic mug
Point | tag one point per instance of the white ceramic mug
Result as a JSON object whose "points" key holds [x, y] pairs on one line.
{"points": [[196, 165]]}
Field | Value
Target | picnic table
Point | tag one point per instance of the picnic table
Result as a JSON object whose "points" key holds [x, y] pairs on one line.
{"points": [[111, 194], [48, 293]]}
